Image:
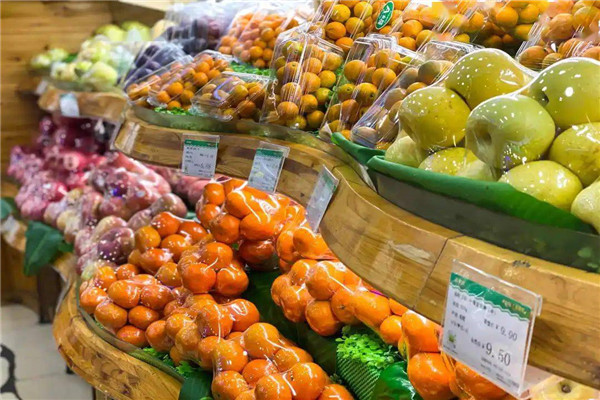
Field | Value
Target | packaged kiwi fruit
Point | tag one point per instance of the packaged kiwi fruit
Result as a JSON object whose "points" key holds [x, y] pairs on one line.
{"points": [[566, 29], [180, 87], [372, 65], [232, 96], [379, 126], [303, 72]]}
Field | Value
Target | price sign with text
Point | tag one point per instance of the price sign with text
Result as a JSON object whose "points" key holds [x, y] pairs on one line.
{"points": [[320, 198], [267, 165], [68, 105], [488, 325], [200, 155]]}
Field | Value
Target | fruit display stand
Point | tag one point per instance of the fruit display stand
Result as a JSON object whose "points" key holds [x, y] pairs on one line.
{"points": [[105, 367], [402, 255], [103, 105]]}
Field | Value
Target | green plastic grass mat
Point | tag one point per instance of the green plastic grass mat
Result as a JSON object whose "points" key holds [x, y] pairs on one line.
{"points": [[43, 245], [7, 207], [495, 196], [362, 154], [490, 211]]}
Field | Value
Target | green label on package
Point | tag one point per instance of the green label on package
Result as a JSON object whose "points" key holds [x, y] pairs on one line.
{"points": [[266, 167], [68, 105], [385, 15], [320, 198], [200, 156], [488, 331]]}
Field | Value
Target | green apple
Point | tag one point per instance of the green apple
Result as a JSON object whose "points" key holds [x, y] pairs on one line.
{"points": [[484, 74], [546, 181], [570, 91], [406, 152], [578, 149], [448, 161], [479, 171], [434, 117], [509, 130], [586, 205]]}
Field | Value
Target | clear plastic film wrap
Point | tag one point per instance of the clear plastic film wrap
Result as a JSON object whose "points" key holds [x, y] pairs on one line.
{"points": [[151, 58], [372, 65], [303, 72], [545, 138], [379, 126], [178, 90], [232, 96], [237, 214], [253, 33], [566, 29]]}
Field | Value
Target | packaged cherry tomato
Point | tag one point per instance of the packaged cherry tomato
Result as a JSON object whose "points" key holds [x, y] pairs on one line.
{"points": [[379, 126], [232, 96], [566, 29], [372, 65], [304, 72], [179, 89], [253, 33]]}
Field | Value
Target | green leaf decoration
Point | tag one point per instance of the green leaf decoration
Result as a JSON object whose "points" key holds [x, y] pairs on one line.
{"points": [[7, 207], [393, 384], [43, 244], [196, 386]]}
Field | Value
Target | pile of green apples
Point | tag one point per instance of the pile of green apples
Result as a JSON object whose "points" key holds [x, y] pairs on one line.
{"points": [[493, 120]]}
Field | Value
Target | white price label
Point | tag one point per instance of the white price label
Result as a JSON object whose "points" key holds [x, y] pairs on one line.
{"points": [[68, 105], [200, 157], [266, 167], [320, 198], [41, 87], [488, 331]]}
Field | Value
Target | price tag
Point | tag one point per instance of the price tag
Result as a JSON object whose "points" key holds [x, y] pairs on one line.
{"points": [[267, 165], [488, 324], [200, 155], [41, 87], [320, 198], [68, 105]]}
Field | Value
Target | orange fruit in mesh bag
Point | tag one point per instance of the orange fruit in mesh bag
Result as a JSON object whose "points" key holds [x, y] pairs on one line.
{"points": [[156, 297], [261, 340], [205, 349], [240, 203], [105, 277], [321, 319], [273, 387], [176, 244], [390, 329], [90, 297], [198, 278], [146, 238], [430, 376], [192, 230], [370, 308], [156, 335], [476, 385], [216, 255], [289, 356], [419, 334], [231, 281], [214, 320], [225, 228], [246, 395], [293, 300], [206, 213], [258, 226], [233, 183], [186, 342], [110, 315], [176, 322], [165, 223], [196, 302], [340, 306], [257, 252], [214, 193], [244, 314], [300, 270], [132, 335], [307, 381], [256, 369], [335, 392], [397, 308], [324, 279], [227, 385], [168, 274], [279, 284], [125, 293], [311, 245], [127, 271], [152, 259], [229, 356], [285, 246]]}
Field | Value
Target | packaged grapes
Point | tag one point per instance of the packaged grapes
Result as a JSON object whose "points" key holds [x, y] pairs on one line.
{"points": [[152, 57], [253, 33], [566, 29], [232, 96], [303, 74], [379, 126], [373, 63], [178, 90]]}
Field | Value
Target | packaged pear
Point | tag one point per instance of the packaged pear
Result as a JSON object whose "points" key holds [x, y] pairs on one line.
{"points": [[379, 126], [303, 72], [566, 29]]}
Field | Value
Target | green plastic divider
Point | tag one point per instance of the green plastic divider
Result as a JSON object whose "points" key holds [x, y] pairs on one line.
{"points": [[362, 154]]}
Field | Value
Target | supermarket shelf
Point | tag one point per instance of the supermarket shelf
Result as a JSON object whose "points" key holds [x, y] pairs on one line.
{"points": [[157, 5], [103, 366], [407, 257], [108, 106]]}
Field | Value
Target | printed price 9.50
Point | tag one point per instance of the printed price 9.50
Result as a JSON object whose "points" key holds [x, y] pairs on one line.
{"points": [[502, 355]]}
